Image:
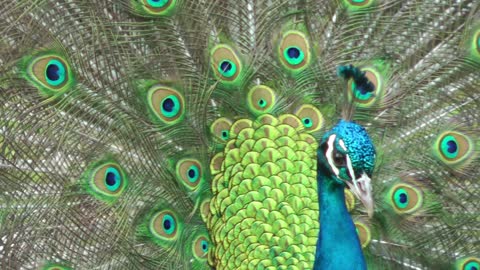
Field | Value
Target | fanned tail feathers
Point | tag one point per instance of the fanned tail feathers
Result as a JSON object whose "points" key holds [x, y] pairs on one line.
{"points": [[154, 134]]}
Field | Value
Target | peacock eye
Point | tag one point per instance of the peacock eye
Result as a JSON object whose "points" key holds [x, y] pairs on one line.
{"points": [[164, 225], [363, 94], [200, 247], [55, 267], [170, 106], [294, 51], [55, 72], [166, 104], [364, 233], [472, 265], [405, 198], [50, 73], [227, 68], [189, 171], [294, 55], [108, 180], [154, 7], [221, 129], [261, 99], [157, 3], [311, 117], [113, 179], [225, 63]]}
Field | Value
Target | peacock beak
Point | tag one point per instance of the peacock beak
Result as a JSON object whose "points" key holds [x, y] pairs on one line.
{"points": [[362, 189]]}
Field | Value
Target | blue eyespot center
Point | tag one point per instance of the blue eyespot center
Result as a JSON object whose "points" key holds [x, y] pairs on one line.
{"points": [[449, 147], [55, 72], [171, 106], [167, 224], [403, 198], [204, 246], [193, 173], [168, 105], [226, 66], [262, 103], [52, 72], [472, 265], [293, 55], [307, 122], [452, 146], [113, 179], [293, 52], [225, 134]]}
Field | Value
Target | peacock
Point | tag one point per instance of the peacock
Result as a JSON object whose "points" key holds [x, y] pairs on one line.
{"points": [[240, 134]]}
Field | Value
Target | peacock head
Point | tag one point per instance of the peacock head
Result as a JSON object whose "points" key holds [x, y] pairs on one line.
{"points": [[347, 155]]}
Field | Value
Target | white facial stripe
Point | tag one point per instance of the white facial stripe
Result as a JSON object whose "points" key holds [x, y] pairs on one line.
{"points": [[342, 144], [329, 154], [350, 169]]}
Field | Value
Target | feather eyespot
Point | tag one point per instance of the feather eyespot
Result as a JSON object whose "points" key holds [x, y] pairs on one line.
{"points": [[468, 263], [294, 55], [108, 180], [50, 73], [189, 171], [294, 51], [201, 247], [363, 233], [164, 225], [225, 63], [261, 99], [221, 129], [453, 147], [349, 200], [405, 198], [166, 104], [359, 2], [155, 7], [311, 118], [361, 94], [53, 266]]}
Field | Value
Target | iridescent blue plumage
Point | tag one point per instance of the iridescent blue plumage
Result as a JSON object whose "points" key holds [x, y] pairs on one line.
{"points": [[346, 157]]}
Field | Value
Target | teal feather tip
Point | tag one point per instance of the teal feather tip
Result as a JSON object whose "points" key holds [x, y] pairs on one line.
{"points": [[226, 65], [49, 72], [294, 51], [468, 263], [154, 8], [166, 105], [454, 148], [105, 180], [189, 172]]}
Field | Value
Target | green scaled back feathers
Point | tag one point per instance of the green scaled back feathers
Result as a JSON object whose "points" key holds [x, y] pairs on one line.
{"points": [[182, 134]]}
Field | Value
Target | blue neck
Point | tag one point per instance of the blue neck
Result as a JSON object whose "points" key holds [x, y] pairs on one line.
{"points": [[338, 246]]}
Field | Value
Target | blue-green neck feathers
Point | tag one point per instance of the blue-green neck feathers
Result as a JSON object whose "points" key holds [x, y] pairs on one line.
{"points": [[346, 157], [338, 246]]}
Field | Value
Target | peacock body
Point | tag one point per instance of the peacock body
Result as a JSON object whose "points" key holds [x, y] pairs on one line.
{"points": [[179, 134]]}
